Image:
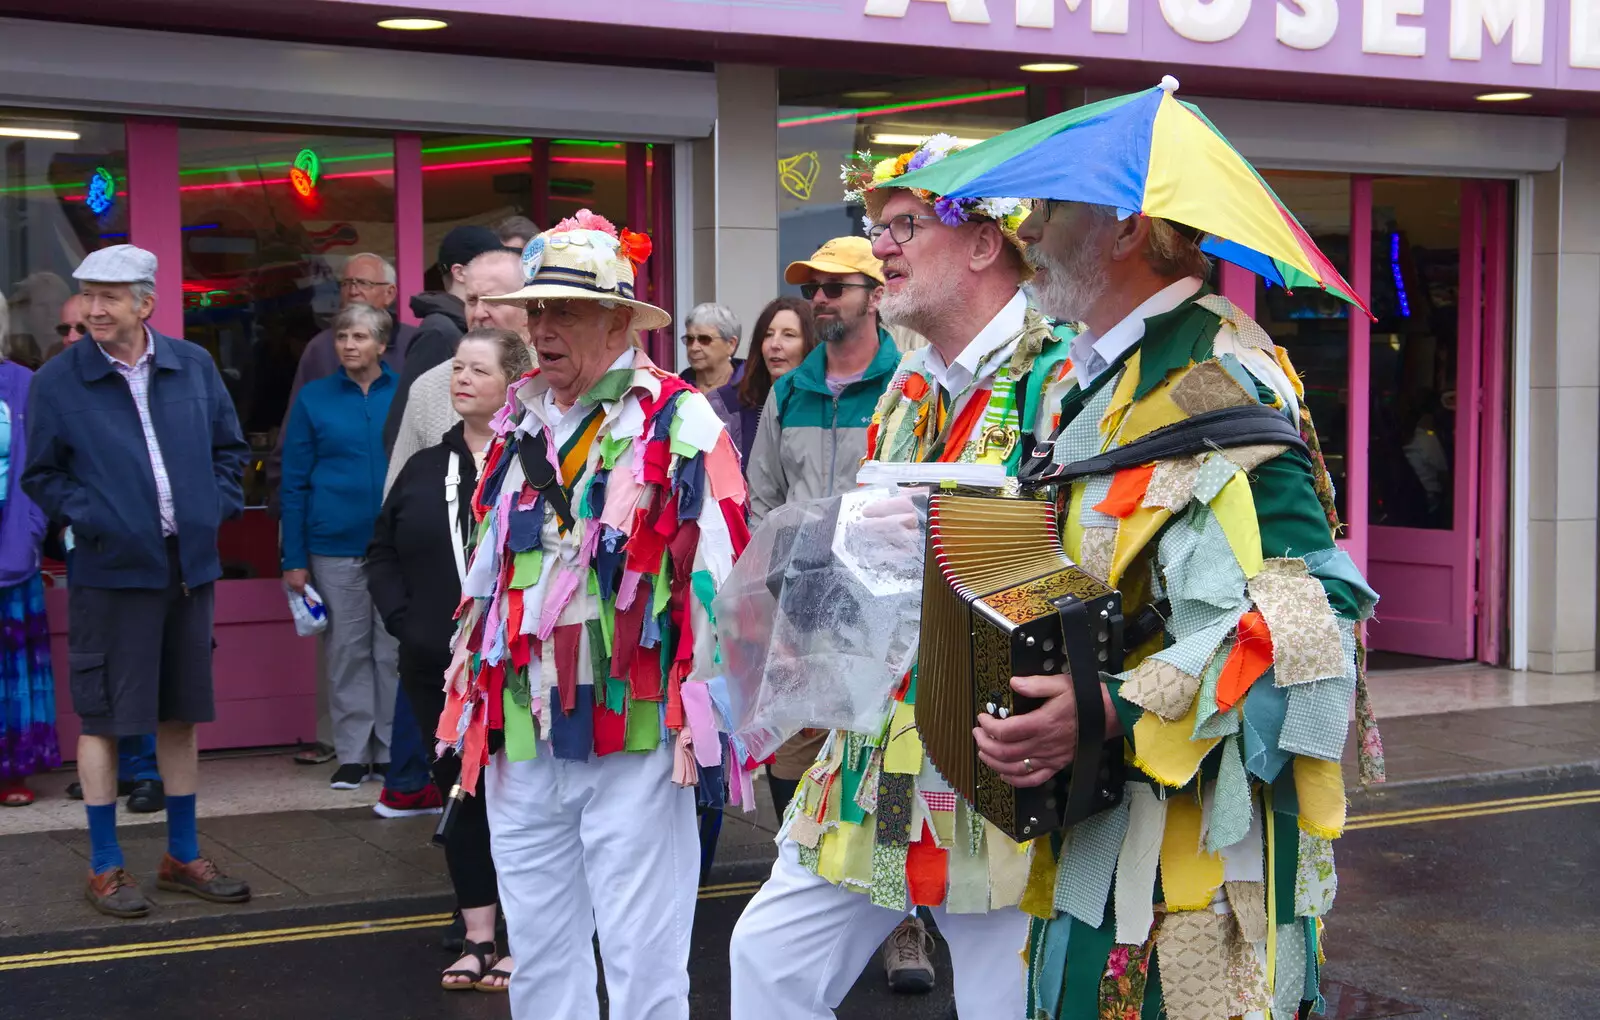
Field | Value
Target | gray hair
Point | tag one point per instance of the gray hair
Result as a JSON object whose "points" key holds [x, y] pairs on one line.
{"points": [[1166, 251], [718, 317], [141, 289], [357, 315], [389, 276]]}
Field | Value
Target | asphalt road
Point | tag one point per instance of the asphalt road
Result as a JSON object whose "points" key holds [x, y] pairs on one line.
{"points": [[1471, 903]]}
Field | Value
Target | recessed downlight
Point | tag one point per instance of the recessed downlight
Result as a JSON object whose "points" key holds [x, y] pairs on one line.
{"points": [[1047, 68], [413, 24], [867, 95], [1503, 97], [24, 132]]}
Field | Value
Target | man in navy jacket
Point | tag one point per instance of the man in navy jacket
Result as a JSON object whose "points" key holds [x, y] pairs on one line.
{"points": [[133, 442]]}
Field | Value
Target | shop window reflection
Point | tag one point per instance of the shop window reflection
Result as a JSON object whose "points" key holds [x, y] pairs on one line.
{"points": [[1311, 324], [61, 197], [1416, 269], [269, 219]]}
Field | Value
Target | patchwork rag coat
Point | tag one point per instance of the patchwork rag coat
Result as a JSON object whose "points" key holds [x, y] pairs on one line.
{"points": [[1203, 892], [597, 638]]}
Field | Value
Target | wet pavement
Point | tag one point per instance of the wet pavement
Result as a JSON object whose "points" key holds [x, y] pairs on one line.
{"points": [[1468, 902]]}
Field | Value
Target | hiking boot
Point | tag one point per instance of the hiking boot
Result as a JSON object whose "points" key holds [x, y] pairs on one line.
{"points": [[908, 958], [114, 892], [201, 878], [394, 804]]}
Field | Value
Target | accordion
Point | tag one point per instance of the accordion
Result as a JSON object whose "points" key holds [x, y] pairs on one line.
{"points": [[1000, 599]]}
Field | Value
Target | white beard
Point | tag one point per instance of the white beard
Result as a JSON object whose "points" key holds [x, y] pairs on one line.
{"points": [[1072, 286]]}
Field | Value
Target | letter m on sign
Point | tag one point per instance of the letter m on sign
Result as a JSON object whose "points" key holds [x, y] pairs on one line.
{"points": [[1523, 19]]}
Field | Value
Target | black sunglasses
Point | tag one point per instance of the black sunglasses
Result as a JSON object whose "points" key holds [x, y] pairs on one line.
{"points": [[833, 290], [65, 329]]}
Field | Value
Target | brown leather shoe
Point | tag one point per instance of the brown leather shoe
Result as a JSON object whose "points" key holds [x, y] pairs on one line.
{"points": [[201, 878], [115, 893]]}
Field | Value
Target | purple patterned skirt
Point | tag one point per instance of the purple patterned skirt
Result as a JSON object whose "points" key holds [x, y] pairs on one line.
{"points": [[27, 684]]}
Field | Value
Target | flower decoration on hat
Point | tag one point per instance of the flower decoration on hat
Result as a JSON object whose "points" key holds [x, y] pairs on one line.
{"points": [[863, 173]]}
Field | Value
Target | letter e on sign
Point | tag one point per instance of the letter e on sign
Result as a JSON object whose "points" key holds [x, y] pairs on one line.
{"points": [[1381, 31]]}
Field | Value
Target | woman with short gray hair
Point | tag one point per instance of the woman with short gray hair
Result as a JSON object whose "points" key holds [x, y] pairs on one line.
{"points": [[710, 341]]}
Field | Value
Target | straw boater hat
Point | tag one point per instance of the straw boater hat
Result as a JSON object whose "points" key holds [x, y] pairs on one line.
{"points": [[584, 258]]}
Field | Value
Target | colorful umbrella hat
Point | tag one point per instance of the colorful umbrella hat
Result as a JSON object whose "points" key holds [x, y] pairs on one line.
{"points": [[1146, 153]]}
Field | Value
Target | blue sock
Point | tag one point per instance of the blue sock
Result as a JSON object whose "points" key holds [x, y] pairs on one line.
{"points": [[104, 851], [182, 842]]}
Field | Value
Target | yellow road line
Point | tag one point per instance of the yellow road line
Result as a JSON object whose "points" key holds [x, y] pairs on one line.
{"points": [[273, 936], [1437, 809], [1381, 822]]}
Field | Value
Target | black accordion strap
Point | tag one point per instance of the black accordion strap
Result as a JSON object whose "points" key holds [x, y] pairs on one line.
{"points": [[1222, 429], [1083, 787], [536, 467]]}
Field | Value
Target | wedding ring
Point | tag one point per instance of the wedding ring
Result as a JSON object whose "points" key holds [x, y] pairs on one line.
{"points": [[1027, 764]]}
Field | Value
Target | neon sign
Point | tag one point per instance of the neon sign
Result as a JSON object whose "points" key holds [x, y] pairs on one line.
{"points": [[305, 173], [102, 191], [1399, 278]]}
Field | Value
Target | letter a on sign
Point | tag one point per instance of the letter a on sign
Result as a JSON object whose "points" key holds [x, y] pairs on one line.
{"points": [[970, 12]]}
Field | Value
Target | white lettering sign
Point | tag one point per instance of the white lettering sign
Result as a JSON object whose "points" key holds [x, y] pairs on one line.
{"points": [[1524, 19], [970, 12], [1206, 20], [1585, 34], [1381, 31], [1312, 27], [1106, 17]]}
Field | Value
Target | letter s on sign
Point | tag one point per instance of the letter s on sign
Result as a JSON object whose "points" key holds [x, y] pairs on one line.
{"points": [[1206, 22], [1310, 29]]}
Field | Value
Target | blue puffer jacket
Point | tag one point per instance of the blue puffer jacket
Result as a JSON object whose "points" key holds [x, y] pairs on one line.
{"points": [[88, 465], [333, 467]]}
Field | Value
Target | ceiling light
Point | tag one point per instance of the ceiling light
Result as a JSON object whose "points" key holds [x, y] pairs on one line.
{"points": [[1047, 68], [1503, 97], [412, 24], [892, 138], [22, 132], [868, 95]]}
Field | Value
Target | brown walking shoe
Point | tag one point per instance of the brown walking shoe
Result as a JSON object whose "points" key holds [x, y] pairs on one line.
{"points": [[114, 892], [908, 958], [201, 878]]}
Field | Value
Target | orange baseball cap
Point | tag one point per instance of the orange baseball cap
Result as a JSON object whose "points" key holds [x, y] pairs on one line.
{"points": [[842, 255]]}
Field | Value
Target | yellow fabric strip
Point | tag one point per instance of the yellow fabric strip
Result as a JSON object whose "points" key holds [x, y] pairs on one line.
{"points": [[1121, 397], [1236, 512], [903, 756], [1166, 752], [1272, 897], [1008, 868], [1134, 532], [1319, 785], [1196, 178], [1151, 413], [1038, 900], [1190, 877]]}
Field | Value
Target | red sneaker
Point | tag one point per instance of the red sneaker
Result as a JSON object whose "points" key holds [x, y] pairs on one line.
{"points": [[394, 804]]}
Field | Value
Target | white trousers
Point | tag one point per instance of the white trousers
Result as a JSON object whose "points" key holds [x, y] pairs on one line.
{"points": [[607, 844], [803, 941]]}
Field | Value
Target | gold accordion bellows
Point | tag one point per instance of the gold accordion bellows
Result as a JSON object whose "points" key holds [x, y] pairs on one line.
{"points": [[1000, 599]]}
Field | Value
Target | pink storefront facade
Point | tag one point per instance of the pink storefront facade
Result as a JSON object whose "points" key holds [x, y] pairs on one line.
{"points": [[1462, 424]]}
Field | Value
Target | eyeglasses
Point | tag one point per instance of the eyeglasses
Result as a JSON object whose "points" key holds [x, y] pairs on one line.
{"points": [[833, 289], [900, 228], [66, 329], [700, 339], [360, 284]]}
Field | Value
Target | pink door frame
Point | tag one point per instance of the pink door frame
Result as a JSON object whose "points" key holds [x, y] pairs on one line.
{"points": [[1481, 491]]}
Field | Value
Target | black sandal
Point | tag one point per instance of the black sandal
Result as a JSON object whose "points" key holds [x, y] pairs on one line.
{"points": [[495, 972], [484, 953]]}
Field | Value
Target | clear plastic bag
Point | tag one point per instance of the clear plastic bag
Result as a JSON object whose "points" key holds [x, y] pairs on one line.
{"points": [[819, 620], [310, 615]]}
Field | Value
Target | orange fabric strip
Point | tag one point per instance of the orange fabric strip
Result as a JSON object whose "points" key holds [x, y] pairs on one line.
{"points": [[927, 870], [965, 424], [1127, 491], [1251, 657], [578, 454]]}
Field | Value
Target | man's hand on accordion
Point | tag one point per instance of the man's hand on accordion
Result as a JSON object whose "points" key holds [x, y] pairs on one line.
{"points": [[1030, 748]]}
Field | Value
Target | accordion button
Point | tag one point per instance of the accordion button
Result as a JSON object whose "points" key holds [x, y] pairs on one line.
{"points": [[1105, 614], [1102, 655], [1030, 642], [1048, 665], [989, 708], [1004, 713]]}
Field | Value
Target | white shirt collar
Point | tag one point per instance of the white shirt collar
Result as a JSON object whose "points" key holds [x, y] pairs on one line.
{"points": [[557, 419], [1001, 330], [1092, 355]]}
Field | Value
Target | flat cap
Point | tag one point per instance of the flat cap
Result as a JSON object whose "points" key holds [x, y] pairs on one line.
{"points": [[120, 263]]}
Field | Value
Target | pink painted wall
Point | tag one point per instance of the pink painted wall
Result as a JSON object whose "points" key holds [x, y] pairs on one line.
{"points": [[1149, 36], [410, 260], [155, 215], [265, 675]]}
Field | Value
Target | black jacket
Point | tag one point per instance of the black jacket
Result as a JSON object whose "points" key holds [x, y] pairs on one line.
{"points": [[411, 571], [444, 320]]}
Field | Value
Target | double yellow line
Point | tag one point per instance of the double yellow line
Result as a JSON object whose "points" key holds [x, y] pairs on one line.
{"points": [[274, 936], [1474, 810], [63, 957]]}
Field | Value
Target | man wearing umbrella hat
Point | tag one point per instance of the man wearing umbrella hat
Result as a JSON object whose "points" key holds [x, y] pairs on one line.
{"points": [[1202, 892], [611, 506], [846, 873]]}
